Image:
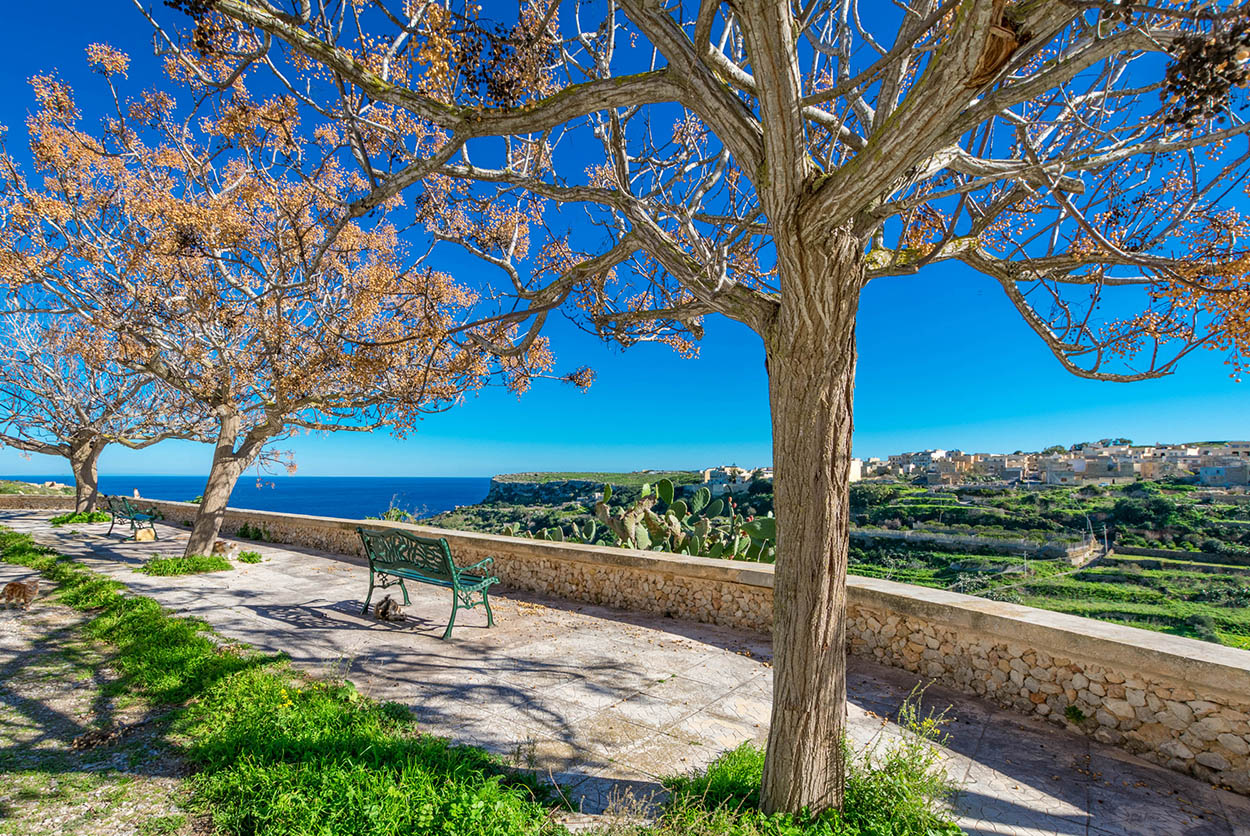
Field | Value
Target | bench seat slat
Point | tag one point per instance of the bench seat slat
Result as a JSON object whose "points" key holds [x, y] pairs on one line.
{"points": [[467, 582]]}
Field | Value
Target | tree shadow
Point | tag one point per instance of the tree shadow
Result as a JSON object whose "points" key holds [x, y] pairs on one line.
{"points": [[55, 725], [340, 615]]}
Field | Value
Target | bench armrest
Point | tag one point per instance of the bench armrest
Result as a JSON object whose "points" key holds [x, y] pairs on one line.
{"points": [[481, 564]]}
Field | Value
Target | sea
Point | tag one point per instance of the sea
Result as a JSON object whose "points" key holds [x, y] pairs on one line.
{"points": [[350, 497]]}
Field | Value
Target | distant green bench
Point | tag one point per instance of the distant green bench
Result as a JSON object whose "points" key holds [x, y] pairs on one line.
{"points": [[395, 555], [120, 508]]}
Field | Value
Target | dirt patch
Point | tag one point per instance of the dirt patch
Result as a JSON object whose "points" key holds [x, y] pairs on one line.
{"points": [[78, 755]]}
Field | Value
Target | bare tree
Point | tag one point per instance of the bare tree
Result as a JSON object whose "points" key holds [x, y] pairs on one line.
{"points": [[54, 403], [203, 249], [764, 161]]}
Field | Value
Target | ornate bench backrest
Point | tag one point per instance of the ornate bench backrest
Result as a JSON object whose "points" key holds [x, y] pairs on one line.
{"points": [[430, 556], [116, 504]]}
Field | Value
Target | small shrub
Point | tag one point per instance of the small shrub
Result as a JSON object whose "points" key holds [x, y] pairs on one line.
{"points": [[249, 557], [395, 514], [185, 565], [253, 532], [1075, 715], [80, 517], [1203, 626]]}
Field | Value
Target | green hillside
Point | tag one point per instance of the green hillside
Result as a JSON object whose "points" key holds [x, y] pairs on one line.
{"points": [[635, 479]]}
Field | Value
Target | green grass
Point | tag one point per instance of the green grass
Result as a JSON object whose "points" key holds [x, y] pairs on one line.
{"points": [[283, 756], [80, 517], [1203, 601], [185, 565], [891, 790], [1223, 625], [168, 659], [1233, 639], [249, 557], [162, 826]]}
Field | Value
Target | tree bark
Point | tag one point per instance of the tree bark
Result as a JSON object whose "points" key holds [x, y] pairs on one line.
{"points": [[226, 468], [84, 458], [811, 364]]}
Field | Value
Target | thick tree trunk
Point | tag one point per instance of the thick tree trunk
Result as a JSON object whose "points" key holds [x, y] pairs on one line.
{"points": [[226, 468], [84, 458], [811, 365]]}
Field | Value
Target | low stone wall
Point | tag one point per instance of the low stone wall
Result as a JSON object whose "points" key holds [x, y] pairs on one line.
{"points": [[30, 501], [1175, 701], [1181, 554], [737, 594], [1078, 554]]}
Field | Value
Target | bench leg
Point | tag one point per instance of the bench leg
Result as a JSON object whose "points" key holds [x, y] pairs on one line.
{"points": [[370, 595], [112, 522], [152, 525], [404, 589], [452, 623], [490, 616]]}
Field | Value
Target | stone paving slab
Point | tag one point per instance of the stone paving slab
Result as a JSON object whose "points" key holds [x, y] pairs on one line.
{"points": [[606, 702]]}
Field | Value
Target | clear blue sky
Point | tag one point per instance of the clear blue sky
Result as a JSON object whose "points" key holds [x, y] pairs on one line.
{"points": [[944, 362]]}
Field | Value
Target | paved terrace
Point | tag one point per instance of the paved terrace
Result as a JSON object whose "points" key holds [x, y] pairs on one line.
{"points": [[606, 701]]}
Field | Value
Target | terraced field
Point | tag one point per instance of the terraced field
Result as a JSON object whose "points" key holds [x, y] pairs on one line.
{"points": [[1200, 600], [975, 572], [1209, 601]]}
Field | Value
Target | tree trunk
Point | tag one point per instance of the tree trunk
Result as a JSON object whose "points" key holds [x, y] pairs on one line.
{"points": [[222, 475], [84, 458], [811, 365]]}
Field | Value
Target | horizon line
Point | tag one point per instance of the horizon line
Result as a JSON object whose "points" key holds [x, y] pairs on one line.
{"points": [[26, 476]]}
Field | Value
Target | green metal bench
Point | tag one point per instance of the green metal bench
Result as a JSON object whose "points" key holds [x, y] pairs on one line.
{"points": [[119, 507], [396, 555]]}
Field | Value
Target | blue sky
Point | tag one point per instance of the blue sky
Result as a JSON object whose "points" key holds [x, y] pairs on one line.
{"points": [[944, 362]]}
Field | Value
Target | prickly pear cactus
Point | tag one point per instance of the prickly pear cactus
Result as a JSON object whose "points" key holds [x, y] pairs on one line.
{"points": [[698, 525]]}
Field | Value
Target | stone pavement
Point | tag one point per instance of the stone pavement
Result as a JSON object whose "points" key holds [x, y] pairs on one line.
{"points": [[607, 701]]}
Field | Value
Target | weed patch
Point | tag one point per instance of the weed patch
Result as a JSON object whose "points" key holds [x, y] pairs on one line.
{"points": [[185, 565], [895, 789], [253, 532], [80, 517], [162, 826]]}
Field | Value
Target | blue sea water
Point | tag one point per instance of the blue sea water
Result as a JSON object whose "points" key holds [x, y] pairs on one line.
{"points": [[352, 497]]}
